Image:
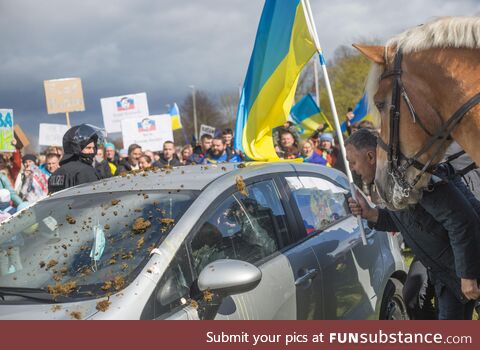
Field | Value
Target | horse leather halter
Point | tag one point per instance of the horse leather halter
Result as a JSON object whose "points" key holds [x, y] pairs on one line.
{"points": [[397, 169]]}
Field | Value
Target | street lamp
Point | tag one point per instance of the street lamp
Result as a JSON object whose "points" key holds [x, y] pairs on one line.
{"points": [[194, 112]]}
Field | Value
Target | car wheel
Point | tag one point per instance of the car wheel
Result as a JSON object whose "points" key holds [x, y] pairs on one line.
{"points": [[393, 307]]}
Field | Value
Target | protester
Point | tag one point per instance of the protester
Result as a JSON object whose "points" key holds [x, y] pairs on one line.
{"points": [[227, 135], [6, 208], [291, 153], [200, 152], [168, 158], [348, 120], [145, 162], [122, 154], [80, 146], [310, 156], [52, 163], [101, 164], [131, 162], [219, 153], [112, 157], [186, 153], [6, 184], [325, 148], [442, 230], [286, 141], [34, 183]]}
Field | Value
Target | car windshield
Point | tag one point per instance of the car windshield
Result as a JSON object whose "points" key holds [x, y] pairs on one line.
{"points": [[89, 245]]}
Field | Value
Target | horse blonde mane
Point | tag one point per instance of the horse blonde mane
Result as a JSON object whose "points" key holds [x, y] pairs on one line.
{"points": [[442, 32]]}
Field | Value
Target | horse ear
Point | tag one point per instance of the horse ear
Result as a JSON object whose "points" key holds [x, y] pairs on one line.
{"points": [[375, 54]]}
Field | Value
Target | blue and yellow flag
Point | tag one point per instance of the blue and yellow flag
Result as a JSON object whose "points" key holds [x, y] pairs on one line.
{"points": [[307, 116], [283, 46], [360, 113], [175, 114]]}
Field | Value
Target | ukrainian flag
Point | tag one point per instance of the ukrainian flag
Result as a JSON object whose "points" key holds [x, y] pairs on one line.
{"points": [[283, 46], [307, 116], [360, 113], [175, 114]]}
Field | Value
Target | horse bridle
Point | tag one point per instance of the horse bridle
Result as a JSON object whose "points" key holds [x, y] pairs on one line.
{"points": [[396, 168]]}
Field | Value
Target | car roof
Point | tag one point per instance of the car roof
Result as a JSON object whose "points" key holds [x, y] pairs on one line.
{"points": [[195, 177]]}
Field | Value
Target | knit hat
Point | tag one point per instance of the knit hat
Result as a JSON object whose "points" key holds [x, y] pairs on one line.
{"points": [[29, 157], [326, 137], [109, 145]]}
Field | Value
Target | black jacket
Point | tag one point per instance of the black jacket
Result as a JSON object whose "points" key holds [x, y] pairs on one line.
{"points": [[72, 173], [123, 166], [443, 231], [162, 162], [103, 169]]}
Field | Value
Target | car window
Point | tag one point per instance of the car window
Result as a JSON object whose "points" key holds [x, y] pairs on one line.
{"points": [[319, 201], [244, 227], [94, 244]]}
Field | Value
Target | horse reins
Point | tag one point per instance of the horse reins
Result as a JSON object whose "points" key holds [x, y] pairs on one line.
{"points": [[394, 155]]}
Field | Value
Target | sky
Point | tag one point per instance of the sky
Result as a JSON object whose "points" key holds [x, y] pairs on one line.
{"points": [[161, 47]]}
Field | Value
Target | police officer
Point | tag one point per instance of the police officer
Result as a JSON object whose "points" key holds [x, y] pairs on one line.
{"points": [[80, 147]]}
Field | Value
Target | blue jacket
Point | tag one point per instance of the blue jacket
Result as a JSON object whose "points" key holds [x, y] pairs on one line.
{"points": [[226, 157], [315, 158]]}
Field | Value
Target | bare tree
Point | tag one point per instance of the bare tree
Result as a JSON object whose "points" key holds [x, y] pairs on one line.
{"points": [[207, 112], [228, 107]]}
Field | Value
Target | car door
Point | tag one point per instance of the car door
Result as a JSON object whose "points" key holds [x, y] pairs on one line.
{"points": [[334, 235], [259, 233], [251, 226]]}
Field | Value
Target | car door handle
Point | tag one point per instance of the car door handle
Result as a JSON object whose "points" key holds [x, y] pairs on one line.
{"points": [[309, 275]]}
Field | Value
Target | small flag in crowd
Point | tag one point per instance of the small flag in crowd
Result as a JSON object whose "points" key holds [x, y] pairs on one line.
{"points": [[307, 116], [176, 120], [360, 113], [284, 44]]}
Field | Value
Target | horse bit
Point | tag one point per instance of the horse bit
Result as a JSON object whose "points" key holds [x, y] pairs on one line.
{"points": [[394, 155]]}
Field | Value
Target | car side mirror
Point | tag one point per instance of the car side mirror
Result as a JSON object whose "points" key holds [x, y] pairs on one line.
{"points": [[223, 278]]}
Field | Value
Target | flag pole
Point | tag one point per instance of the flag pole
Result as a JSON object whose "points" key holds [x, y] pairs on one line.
{"points": [[313, 31], [317, 88]]}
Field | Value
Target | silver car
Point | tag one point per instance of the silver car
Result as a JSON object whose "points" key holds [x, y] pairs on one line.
{"points": [[248, 241]]}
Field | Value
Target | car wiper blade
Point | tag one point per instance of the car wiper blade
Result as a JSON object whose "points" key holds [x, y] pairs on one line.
{"points": [[33, 294]]}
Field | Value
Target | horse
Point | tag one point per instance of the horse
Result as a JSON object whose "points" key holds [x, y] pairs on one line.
{"points": [[424, 86]]}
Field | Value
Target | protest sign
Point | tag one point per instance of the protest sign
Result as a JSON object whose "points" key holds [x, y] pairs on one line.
{"points": [[51, 134], [150, 132], [22, 139], [116, 109], [64, 95], [6, 130], [207, 129]]}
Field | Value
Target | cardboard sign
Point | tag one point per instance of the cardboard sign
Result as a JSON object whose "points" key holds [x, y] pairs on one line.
{"points": [[150, 132], [64, 95], [116, 109], [51, 134], [206, 129], [22, 139], [6, 130]]}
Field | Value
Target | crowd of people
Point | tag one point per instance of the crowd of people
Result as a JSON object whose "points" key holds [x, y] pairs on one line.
{"points": [[27, 178], [446, 266]]}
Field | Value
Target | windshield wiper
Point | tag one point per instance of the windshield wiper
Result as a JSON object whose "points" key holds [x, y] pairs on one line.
{"points": [[38, 294]]}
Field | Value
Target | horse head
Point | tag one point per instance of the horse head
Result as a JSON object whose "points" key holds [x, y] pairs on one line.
{"points": [[418, 84], [398, 183]]}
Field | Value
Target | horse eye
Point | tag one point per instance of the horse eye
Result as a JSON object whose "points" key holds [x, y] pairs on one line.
{"points": [[380, 105]]}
